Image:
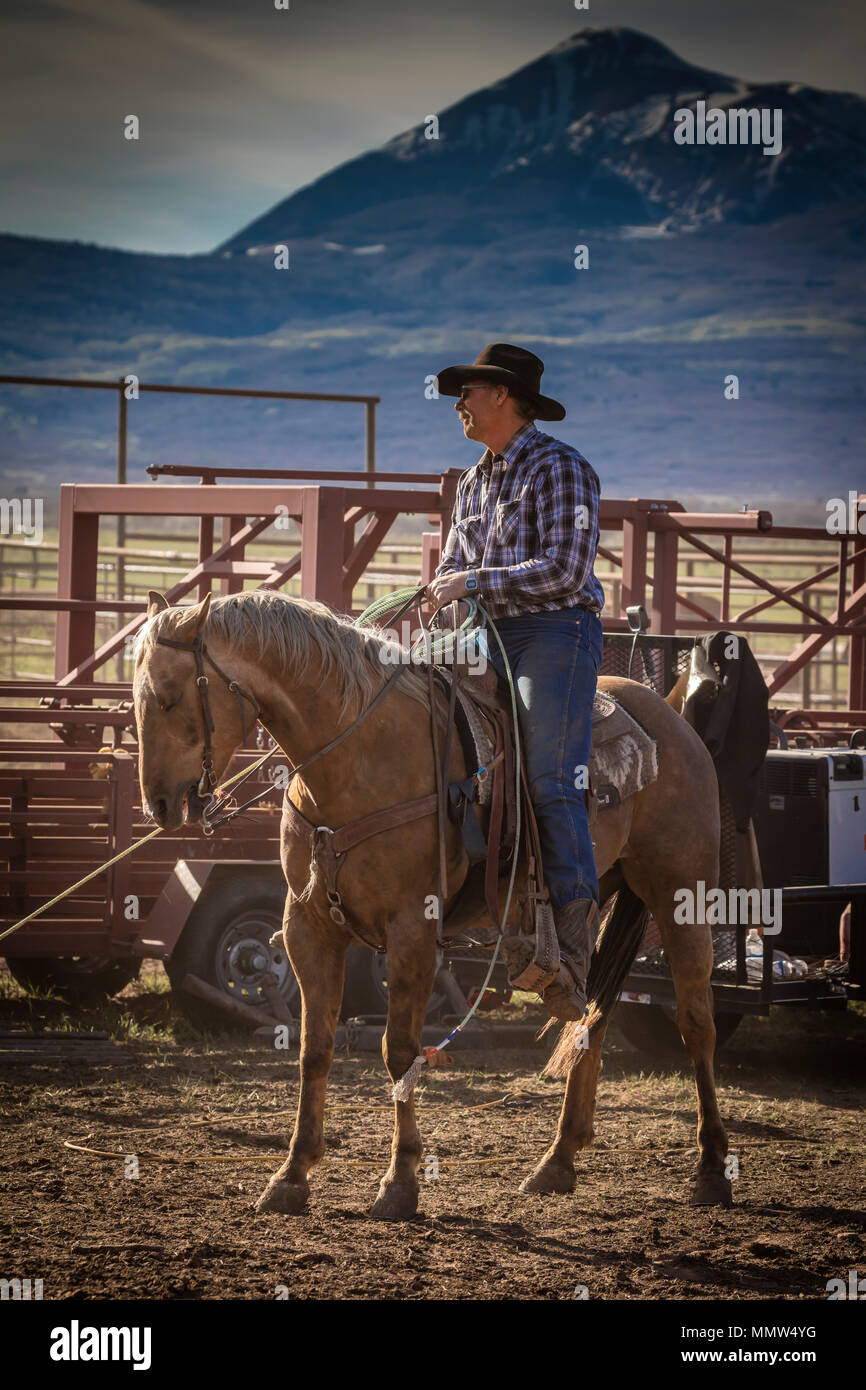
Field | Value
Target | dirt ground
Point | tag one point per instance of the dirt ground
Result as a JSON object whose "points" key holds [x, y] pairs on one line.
{"points": [[791, 1088]]}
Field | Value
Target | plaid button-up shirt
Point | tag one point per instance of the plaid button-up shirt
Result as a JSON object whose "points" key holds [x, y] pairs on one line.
{"points": [[526, 520]]}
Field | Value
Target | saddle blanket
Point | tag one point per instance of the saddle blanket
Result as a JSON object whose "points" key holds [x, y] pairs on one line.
{"points": [[624, 759]]}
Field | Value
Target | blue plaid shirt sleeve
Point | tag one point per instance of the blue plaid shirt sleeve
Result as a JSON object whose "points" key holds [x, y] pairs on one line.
{"points": [[567, 526]]}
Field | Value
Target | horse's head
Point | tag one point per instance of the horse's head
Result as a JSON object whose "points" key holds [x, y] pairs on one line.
{"points": [[170, 715]]}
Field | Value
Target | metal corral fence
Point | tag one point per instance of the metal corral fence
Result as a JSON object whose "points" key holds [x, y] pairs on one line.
{"points": [[67, 750]]}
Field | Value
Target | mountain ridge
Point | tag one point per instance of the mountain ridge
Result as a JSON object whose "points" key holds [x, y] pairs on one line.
{"points": [[587, 129], [702, 264]]}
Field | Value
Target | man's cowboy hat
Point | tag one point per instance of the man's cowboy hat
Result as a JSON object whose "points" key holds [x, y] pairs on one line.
{"points": [[504, 365]]}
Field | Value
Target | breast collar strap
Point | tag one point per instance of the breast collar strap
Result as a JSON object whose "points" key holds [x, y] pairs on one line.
{"points": [[201, 654]]}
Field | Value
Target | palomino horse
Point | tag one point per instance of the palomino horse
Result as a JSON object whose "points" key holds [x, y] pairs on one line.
{"points": [[307, 674]]}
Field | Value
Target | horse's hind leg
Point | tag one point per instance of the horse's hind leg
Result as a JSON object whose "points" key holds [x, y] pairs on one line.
{"points": [[555, 1172], [411, 968], [318, 960], [689, 952]]}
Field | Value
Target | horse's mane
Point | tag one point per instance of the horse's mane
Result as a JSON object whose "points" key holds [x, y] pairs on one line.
{"points": [[293, 631]]}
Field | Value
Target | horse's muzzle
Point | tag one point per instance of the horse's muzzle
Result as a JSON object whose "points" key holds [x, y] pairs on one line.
{"points": [[182, 807]]}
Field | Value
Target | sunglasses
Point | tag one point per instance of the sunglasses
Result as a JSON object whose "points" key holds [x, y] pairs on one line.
{"points": [[467, 390]]}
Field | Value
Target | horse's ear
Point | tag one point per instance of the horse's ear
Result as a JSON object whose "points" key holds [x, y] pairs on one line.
{"points": [[156, 603], [194, 619]]}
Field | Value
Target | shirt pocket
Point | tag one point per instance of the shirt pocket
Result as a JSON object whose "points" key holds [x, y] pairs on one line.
{"points": [[507, 522], [471, 530]]}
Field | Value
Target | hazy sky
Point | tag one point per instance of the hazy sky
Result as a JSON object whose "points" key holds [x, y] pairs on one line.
{"points": [[240, 104]]}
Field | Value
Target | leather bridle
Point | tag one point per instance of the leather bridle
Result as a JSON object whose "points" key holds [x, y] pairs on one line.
{"points": [[208, 779]]}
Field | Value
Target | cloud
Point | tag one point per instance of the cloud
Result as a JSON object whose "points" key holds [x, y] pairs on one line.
{"points": [[137, 21], [242, 104]]}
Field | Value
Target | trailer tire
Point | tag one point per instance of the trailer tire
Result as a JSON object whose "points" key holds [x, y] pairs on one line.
{"points": [[226, 943], [85, 980], [652, 1028]]}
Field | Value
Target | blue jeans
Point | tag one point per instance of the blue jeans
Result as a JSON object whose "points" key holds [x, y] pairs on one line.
{"points": [[554, 659]]}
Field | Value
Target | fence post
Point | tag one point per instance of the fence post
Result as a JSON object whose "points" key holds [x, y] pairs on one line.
{"points": [[205, 540], [121, 520], [665, 559], [322, 522], [448, 495], [370, 437], [233, 583], [77, 557], [431, 553], [634, 554]]}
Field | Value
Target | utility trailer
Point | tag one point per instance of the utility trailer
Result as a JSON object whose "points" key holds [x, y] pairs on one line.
{"points": [[205, 906]]}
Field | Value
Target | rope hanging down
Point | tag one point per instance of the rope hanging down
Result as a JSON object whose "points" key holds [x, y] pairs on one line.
{"points": [[402, 600], [402, 1089]]}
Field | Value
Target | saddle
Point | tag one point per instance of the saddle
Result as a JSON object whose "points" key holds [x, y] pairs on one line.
{"points": [[623, 760]]}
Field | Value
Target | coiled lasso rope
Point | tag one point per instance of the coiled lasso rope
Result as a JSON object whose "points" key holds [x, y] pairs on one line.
{"points": [[402, 1089]]}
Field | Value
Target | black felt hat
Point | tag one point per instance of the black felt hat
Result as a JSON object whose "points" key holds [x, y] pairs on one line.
{"points": [[504, 365]]}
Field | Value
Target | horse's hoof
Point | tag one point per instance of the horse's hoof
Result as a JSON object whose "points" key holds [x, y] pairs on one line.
{"points": [[711, 1190], [395, 1202], [288, 1198], [549, 1177]]}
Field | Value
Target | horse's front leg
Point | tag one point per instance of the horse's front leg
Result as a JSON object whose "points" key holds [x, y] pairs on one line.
{"points": [[317, 954], [411, 970]]}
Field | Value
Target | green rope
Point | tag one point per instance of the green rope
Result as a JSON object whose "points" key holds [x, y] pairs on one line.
{"points": [[386, 603], [437, 647]]}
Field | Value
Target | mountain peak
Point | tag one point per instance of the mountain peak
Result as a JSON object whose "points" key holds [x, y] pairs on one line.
{"points": [[617, 44], [581, 136]]}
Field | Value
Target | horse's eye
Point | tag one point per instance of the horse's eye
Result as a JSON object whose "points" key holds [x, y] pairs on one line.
{"points": [[165, 705]]}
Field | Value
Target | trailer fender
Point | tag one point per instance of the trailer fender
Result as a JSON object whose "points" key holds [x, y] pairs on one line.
{"points": [[186, 884]]}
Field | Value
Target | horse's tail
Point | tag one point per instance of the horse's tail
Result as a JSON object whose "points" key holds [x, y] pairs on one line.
{"points": [[618, 943]]}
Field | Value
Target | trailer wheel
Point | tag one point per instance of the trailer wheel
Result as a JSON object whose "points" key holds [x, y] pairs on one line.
{"points": [[85, 980], [226, 942], [652, 1028]]}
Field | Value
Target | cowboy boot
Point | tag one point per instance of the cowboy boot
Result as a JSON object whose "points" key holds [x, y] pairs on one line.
{"points": [[577, 926]]}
